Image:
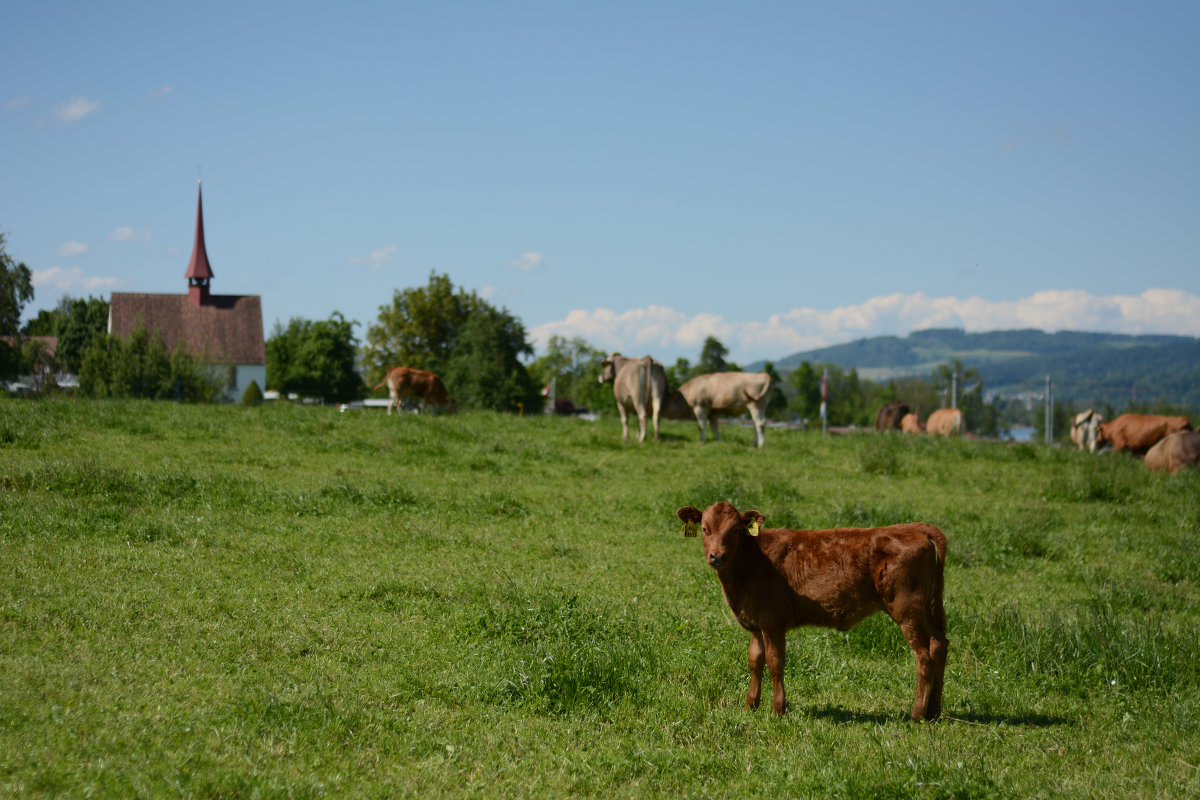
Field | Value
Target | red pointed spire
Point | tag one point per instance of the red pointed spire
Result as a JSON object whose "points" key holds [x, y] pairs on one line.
{"points": [[199, 271]]}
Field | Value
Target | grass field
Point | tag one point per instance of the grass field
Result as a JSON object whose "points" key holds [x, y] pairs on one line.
{"points": [[234, 602]]}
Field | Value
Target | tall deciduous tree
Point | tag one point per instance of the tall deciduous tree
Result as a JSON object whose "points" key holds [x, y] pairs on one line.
{"points": [[419, 328], [16, 289], [484, 370], [315, 359]]}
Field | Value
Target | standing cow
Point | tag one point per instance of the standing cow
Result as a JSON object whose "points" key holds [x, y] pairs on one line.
{"points": [[728, 394], [889, 416], [944, 422], [416, 383], [1084, 427], [640, 386]]}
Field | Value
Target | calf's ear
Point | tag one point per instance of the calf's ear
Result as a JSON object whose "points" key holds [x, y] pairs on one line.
{"points": [[691, 519], [753, 521]]}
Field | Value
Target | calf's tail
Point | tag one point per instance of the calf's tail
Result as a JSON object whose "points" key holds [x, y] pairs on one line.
{"points": [[937, 605]]}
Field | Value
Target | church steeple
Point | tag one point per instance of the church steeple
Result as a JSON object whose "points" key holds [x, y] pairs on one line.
{"points": [[199, 273]]}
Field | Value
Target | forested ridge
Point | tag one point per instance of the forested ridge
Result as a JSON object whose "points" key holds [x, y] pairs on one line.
{"points": [[1095, 368]]}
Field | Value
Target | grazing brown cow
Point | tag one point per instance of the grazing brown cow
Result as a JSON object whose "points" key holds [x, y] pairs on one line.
{"points": [[1175, 452], [910, 424], [727, 394], [890, 415], [944, 422], [1137, 433], [416, 383], [640, 386], [777, 579], [1084, 427]]}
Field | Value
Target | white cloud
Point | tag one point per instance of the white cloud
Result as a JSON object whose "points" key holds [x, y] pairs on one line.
{"points": [[76, 109], [668, 334], [70, 280], [16, 102], [160, 93], [528, 262], [378, 257], [72, 249], [130, 235]]}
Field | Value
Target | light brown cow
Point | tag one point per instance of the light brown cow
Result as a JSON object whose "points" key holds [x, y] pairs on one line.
{"points": [[910, 424], [640, 386], [1084, 427], [728, 394], [416, 383], [1175, 452], [777, 579], [1137, 433], [945, 422]]}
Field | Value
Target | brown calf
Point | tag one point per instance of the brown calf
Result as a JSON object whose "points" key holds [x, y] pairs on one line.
{"points": [[416, 383], [1137, 433], [890, 415], [777, 579]]}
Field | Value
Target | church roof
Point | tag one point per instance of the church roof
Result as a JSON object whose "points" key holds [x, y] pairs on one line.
{"points": [[227, 329], [199, 267]]}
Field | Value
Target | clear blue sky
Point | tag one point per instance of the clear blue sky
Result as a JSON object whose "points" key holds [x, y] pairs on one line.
{"points": [[780, 175]]}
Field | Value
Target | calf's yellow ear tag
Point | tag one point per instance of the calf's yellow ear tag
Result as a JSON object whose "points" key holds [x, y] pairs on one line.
{"points": [[752, 528], [689, 529]]}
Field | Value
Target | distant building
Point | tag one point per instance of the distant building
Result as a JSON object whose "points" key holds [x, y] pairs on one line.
{"points": [[222, 330]]}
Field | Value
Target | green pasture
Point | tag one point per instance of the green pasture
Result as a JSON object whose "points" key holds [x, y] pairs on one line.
{"points": [[232, 602]]}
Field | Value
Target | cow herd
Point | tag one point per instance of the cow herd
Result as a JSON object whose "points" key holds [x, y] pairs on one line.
{"points": [[640, 387], [1167, 444]]}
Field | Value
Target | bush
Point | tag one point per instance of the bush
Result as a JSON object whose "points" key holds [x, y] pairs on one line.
{"points": [[253, 395]]}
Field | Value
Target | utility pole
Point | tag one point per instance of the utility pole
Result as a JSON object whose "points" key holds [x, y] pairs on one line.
{"points": [[954, 389], [824, 386], [1049, 411]]}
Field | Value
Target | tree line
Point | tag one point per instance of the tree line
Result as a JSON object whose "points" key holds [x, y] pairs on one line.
{"points": [[479, 350]]}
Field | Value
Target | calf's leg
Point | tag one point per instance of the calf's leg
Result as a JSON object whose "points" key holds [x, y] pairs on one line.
{"points": [[757, 659], [929, 646], [775, 642]]}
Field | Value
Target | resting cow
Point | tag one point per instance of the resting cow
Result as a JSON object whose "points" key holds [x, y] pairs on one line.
{"points": [[1176, 451], [416, 383], [890, 415], [640, 386], [1137, 433], [1084, 427], [944, 422], [729, 394], [777, 579]]}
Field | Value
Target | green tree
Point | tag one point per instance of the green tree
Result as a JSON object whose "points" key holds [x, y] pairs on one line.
{"points": [[84, 320], [139, 366], [419, 328], [777, 406], [807, 382], [484, 370], [574, 365], [712, 358], [315, 359], [16, 289]]}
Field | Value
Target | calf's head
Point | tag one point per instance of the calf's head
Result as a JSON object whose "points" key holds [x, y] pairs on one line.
{"points": [[723, 530]]}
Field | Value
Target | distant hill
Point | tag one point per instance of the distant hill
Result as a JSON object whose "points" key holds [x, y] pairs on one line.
{"points": [[1087, 368]]}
